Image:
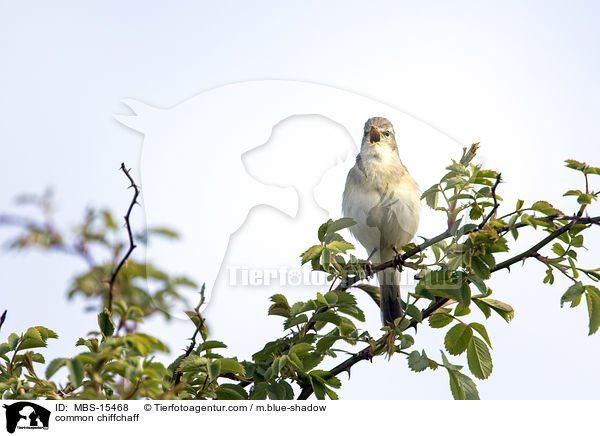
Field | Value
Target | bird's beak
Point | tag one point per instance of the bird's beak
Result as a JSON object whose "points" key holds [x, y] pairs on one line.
{"points": [[374, 136]]}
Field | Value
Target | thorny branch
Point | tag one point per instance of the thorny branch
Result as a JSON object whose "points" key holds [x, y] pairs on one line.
{"points": [[199, 326], [496, 204], [132, 245], [2, 319]]}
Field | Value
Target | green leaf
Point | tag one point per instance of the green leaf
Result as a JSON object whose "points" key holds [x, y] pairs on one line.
{"points": [[54, 366], [298, 319], [210, 345], [326, 342], [457, 339], [479, 328], [558, 249], [572, 192], [462, 387], [259, 391], [483, 307], [340, 224], [32, 339], [280, 306], [461, 310], [301, 349], [328, 316], [592, 297], [46, 333], [448, 365], [280, 391], [544, 207], [502, 309], [584, 199], [414, 312], [312, 253], [519, 204], [193, 363], [107, 328], [480, 268], [406, 341], [430, 196], [13, 340], [231, 365], [168, 233], [37, 357], [573, 294], [571, 163], [441, 283], [318, 385], [4, 348], [577, 241], [479, 359], [418, 362], [229, 391], [322, 300], [214, 369], [323, 230], [76, 372], [339, 246], [439, 320], [331, 298]]}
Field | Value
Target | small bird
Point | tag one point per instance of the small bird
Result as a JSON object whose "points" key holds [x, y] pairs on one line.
{"points": [[383, 199]]}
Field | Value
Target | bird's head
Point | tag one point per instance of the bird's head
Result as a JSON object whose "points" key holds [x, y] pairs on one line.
{"points": [[379, 137]]}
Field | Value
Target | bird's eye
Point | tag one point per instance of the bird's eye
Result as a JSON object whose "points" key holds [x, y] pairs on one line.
{"points": [[386, 133]]}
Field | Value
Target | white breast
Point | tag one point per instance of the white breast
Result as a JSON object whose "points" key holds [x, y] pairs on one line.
{"points": [[386, 214]]}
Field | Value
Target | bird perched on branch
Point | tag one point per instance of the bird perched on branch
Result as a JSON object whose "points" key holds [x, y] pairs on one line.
{"points": [[383, 199]]}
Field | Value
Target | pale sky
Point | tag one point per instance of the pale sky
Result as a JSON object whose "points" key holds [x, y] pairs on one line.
{"points": [[520, 77]]}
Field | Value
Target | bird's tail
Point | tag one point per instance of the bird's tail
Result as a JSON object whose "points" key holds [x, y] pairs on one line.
{"points": [[389, 283]]}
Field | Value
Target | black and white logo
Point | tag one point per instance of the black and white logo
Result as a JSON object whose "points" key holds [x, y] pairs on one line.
{"points": [[26, 415]]}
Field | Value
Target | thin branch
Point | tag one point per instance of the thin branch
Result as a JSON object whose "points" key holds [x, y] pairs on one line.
{"points": [[495, 208], [132, 245], [399, 260], [2, 318], [533, 251], [190, 348]]}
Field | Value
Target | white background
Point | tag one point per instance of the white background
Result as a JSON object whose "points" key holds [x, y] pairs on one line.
{"points": [[521, 77]]}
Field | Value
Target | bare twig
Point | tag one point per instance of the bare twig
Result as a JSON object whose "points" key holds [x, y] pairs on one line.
{"points": [[2, 319], [495, 208], [132, 245], [199, 325]]}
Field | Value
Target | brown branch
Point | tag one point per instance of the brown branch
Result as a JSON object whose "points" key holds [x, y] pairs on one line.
{"points": [[132, 245]]}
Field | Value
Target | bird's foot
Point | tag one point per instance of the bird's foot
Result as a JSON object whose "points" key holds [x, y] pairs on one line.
{"points": [[398, 261], [368, 268]]}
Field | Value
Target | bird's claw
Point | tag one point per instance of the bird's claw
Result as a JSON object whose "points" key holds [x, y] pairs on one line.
{"points": [[398, 261], [368, 269]]}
